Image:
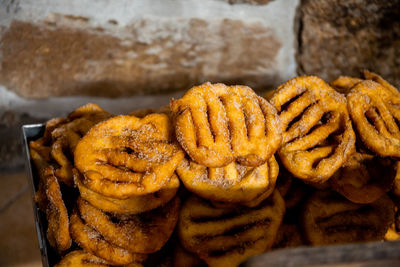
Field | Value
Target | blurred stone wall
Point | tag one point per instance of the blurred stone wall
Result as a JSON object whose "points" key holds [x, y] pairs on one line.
{"points": [[122, 48], [343, 37], [56, 55]]}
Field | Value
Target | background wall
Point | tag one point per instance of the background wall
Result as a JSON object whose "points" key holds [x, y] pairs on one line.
{"points": [[56, 55]]}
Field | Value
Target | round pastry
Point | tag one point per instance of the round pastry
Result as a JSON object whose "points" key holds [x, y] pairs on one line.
{"points": [[66, 136], [218, 124], [93, 242], [375, 112], [80, 258], [317, 133], [127, 156], [144, 233], [228, 236], [364, 178], [132, 205], [328, 218], [233, 183]]}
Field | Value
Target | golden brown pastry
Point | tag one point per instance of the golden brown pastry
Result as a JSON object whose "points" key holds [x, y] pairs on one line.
{"points": [[218, 124]]}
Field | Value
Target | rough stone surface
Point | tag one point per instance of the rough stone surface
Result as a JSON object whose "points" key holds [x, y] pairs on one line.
{"points": [[11, 149], [343, 37], [64, 61], [50, 48]]}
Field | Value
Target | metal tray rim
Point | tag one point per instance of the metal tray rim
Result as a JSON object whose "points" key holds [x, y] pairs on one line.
{"points": [[40, 230]]}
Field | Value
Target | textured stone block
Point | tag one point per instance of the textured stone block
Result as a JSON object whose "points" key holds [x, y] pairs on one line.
{"points": [[39, 61], [343, 37], [161, 50]]}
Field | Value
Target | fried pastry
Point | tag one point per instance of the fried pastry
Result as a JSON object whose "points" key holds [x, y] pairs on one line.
{"points": [[233, 183], [375, 113], [66, 136], [317, 133], [328, 218], [378, 79], [218, 124], [296, 194], [141, 113], [61, 136], [50, 201], [226, 237], [251, 204], [41, 164], [58, 232], [93, 242], [396, 182], [80, 258], [289, 236], [133, 205], [183, 258], [364, 178], [126, 156], [393, 233], [284, 181], [144, 233], [343, 84], [43, 144]]}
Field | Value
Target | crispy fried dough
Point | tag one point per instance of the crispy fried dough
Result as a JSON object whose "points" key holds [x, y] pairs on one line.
{"points": [[66, 136], [39, 151], [41, 164], [92, 241], [284, 181], [289, 236], [396, 182], [183, 258], [61, 136], [376, 78], [218, 124], [375, 112], [126, 156], [80, 258], [50, 201], [140, 113], [343, 84], [226, 237], [296, 194], [145, 233], [269, 94], [43, 144], [317, 133], [233, 183], [329, 218], [57, 215], [393, 233], [251, 204], [364, 178], [133, 205]]}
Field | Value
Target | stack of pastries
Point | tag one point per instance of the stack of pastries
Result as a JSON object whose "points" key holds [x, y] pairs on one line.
{"points": [[311, 163]]}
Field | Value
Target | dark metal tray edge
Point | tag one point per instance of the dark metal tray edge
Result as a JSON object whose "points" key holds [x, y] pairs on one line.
{"points": [[32, 132]]}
